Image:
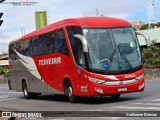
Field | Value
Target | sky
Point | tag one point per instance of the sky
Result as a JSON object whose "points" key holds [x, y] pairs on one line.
{"points": [[22, 17]]}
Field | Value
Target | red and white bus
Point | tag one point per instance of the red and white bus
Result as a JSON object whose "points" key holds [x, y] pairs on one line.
{"points": [[91, 56]]}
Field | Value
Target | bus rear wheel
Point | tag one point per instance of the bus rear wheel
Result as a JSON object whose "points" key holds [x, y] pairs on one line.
{"points": [[9, 85], [27, 94], [70, 94]]}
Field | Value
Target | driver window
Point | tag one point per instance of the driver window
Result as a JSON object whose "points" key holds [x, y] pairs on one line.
{"points": [[76, 45], [79, 55]]}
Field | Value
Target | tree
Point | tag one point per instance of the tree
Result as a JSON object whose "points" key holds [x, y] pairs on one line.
{"points": [[1, 70], [144, 27], [6, 72], [151, 56]]}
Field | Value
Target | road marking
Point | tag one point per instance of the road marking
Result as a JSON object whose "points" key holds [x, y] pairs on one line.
{"points": [[4, 96], [140, 108], [156, 100], [92, 110], [7, 96], [147, 104], [9, 99], [12, 92]]}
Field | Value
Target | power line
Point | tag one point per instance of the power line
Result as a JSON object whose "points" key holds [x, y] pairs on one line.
{"points": [[12, 7]]}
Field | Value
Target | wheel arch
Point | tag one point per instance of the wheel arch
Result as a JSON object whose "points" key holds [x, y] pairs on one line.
{"points": [[24, 80], [68, 79]]}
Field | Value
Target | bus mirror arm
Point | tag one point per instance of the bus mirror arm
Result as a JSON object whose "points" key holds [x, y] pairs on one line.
{"points": [[83, 41], [147, 38]]}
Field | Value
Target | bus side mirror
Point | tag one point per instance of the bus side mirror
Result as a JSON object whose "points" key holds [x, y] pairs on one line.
{"points": [[83, 41], [147, 38]]}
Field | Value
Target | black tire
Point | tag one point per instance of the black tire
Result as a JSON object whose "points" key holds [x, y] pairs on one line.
{"points": [[115, 97], [69, 92], [27, 94], [9, 85]]}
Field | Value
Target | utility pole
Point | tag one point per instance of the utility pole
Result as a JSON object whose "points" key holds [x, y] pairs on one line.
{"points": [[151, 13], [154, 15], [96, 11], [23, 31]]}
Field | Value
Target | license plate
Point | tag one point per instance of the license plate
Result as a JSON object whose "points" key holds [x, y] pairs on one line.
{"points": [[122, 89]]}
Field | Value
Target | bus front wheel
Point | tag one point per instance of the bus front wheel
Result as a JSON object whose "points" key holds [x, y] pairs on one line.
{"points": [[70, 94], [27, 94]]}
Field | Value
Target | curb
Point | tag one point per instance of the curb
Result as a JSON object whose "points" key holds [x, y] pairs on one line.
{"points": [[152, 74]]}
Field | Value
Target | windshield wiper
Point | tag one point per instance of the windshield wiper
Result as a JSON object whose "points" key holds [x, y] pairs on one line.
{"points": [[124, 57], [110, 60]]}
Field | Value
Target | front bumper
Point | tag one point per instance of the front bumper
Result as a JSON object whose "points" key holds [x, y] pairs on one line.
{"points": [[96, 89]]}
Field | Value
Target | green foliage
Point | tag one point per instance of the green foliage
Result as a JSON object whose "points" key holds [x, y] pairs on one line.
{"points": [[144, 27], [4, 71], [1, 70], [151, 56]]}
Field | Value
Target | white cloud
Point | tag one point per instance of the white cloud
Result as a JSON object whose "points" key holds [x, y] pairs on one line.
{"points": [[4, 46], [122, 15], [3, 35], [115, 8]]}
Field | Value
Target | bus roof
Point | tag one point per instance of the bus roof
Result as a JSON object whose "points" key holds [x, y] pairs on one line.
{"points": [[86, 22]]}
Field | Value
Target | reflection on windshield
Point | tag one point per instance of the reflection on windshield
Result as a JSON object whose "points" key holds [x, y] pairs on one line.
{"points": [[114, 49]]}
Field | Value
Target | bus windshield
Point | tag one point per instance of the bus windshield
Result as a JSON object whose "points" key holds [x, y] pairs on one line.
{"points": [[114, 50]]}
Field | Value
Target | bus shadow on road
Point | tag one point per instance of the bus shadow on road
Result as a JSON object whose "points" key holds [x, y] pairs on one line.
{"points": [[53, 97], [88, 100]]}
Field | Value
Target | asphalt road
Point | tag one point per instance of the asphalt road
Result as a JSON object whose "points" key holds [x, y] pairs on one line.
{"points": [[149, 100]]}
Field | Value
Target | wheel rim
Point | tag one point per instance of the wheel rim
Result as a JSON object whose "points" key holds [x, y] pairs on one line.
{"points": [[25, 92], [70, 91]]}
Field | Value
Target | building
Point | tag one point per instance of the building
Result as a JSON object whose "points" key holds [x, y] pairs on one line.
{"points": [[157, 24], [40, 19], [4, 59], [154, 35], [137, 24]]}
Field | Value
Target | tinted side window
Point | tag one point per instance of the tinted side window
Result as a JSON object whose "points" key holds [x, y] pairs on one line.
{"points": [[12, 52], [28, 47], [37, 46], [18, 46], [48, 43], [60, 42], [71, 31]]}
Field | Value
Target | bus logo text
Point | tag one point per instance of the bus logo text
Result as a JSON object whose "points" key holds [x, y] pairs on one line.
{"points": [[130, 76], [50, 61]]}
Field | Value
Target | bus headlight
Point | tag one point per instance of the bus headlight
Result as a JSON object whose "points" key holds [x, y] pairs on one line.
{"points": [[96, 80]]}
